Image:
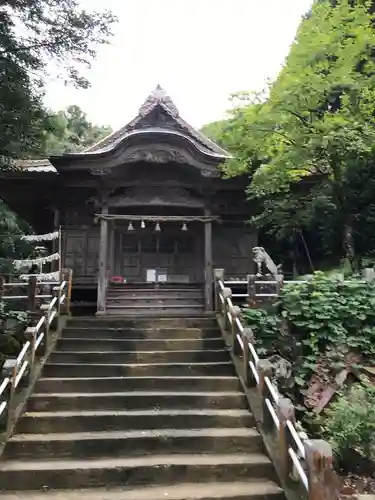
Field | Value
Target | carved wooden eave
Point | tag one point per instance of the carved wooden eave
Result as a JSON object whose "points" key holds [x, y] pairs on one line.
{"points": [[151, 145], [155, 196]]}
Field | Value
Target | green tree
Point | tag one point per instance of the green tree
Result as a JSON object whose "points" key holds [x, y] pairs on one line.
{"points": [[70, 131], [318, 117], [39, 37], [214, 130]]}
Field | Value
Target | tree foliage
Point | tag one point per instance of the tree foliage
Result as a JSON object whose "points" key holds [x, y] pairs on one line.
{"points": [[70, 131], [315, 124], [40, 37]]}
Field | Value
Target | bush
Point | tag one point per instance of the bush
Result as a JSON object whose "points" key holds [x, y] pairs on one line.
{"points": [[13, 325], [325, 311], [350, 426], [333, 325], [266, 330]]}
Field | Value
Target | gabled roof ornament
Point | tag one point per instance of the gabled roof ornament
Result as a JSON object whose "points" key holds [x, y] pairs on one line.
{"points": [[158, 96]]}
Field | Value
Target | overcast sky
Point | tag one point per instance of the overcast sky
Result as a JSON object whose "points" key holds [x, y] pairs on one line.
{"points": [[200, 51]]}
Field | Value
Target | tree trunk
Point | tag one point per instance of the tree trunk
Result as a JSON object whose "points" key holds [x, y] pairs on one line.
{"points": [[348, 242], [339, 197]]}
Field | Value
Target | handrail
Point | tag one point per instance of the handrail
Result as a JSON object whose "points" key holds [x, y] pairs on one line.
{"points": [[251, 283], [39, 337], [278, 413], [25, 283], [9, 297]]}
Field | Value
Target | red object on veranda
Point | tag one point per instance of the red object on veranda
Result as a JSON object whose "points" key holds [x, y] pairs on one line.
{"points": [[115, 280]]}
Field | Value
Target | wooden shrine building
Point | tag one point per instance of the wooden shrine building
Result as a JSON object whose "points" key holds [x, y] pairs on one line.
{"points": [[147, 204]]}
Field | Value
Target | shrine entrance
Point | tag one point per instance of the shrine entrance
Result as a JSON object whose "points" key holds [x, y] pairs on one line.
{"points": [[155, 249], [159, 253]]}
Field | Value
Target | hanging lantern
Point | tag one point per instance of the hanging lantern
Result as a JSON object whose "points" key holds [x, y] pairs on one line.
{"points": [[157, 227], [130, 226], [143, 225], [184, 227]]}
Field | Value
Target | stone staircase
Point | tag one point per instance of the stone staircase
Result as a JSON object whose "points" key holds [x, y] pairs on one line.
{"points": [[138, 410], [149, 299]]}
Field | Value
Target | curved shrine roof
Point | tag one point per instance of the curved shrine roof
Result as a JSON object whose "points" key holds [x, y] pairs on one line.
{"points": [[158, 115], [158, 99]]}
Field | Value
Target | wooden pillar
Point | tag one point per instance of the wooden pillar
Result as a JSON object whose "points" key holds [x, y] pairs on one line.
{"points": [[102, 275], [55, 243], [208, 269], [111, 258]]}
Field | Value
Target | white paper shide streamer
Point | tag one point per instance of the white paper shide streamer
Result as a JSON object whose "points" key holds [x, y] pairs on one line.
{"points": [[41, 237], [55, 276], [38, 261]]}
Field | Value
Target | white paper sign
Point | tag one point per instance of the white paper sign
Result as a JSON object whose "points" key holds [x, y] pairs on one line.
{"points": [[151, 275]]}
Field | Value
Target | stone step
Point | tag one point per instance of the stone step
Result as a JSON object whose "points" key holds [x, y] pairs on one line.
{"points": [[155, 302], [57, 370], [141, 333], [154, 294], [136, 401], [77, 344], [152, 313], [103, 322], [103, 357], [92, 421], [143, 310], [21, 475], [157, 287], [249, 490], [133, 443], [118, 384]]}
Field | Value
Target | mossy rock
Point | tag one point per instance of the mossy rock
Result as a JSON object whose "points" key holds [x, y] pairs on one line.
{"points": [[9, 345], [3, 358]]}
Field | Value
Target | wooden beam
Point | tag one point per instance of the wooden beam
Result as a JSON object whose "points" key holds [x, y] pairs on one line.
{"points": [[56, 243], [102, 275], [112, 248], [208, 270]]}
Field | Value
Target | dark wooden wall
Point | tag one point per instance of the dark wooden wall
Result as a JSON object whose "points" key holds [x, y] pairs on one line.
{"points": [[80, 249], [181, 253], [232, 249]]}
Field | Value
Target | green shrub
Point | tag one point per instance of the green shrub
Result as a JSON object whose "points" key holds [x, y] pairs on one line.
{"points": [[265, 328], [329, 321], [12, 332], [326, 311], [350, 425]]}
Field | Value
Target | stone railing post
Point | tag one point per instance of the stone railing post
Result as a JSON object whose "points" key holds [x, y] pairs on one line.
{"points": [[235, 314], [265, 369], [31, 294], [46, 313], [227, 294], [285, 412], [368, 274], [279, 283], [2, 288], [218, 275], [251, 290], [247, 337], [65, 276], [321, 476], [55, 322]]}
